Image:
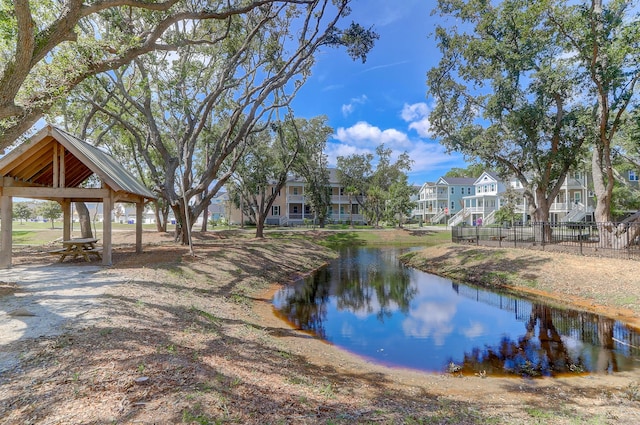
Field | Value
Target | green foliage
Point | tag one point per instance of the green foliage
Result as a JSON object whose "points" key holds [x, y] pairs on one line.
{"points": [[22, 211], [50, 210], [503, 91], [507, 211], [472, 171], [371, 188]]}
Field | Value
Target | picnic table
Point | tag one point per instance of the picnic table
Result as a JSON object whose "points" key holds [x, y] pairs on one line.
{"points": [[84, 247]]}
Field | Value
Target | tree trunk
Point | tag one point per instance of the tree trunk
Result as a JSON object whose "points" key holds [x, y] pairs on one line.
{"points": [[260, 226], [540, 216], [162, 215], [180, 233], [85, 220]]}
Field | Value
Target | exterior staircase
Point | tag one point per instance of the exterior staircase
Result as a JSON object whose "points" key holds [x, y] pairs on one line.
{"points": [[436, 218], [576, 214], [458, 218], [489, 219]]}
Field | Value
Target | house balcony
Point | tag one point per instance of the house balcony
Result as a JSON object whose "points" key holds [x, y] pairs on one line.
{"points": [[342, 199], [480, 210], [295, 199], [435, 197]]}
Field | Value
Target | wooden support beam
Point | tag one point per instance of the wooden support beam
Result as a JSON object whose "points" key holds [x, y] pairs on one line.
{"points": [[56, 167], [56, 193], [6, 221], [61, 164], [66, 219], [107, 206], [139, 218]]}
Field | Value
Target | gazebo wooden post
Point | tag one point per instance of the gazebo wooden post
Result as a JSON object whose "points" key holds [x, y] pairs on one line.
{"points": [[6, 215], [107, 206], [139, 218], [66, 219]]}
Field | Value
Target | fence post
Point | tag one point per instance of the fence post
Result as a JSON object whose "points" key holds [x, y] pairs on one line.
{"points": [[580, 237], [628, 242], [477, 235], [515, 244], [500, 236]]}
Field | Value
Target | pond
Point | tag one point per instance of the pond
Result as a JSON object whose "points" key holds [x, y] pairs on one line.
{"points": [[368, 303]]}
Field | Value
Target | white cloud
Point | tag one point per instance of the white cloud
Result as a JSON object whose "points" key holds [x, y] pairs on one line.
{"points": [[430, 320], [414, 112], [348, 108], [417, 115], [363, 137], [474, 330], [365, 134]]}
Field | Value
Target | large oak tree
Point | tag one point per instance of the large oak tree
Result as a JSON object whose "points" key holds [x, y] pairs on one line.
{"points": [[47, 47], [190, 114], [505, 95]]}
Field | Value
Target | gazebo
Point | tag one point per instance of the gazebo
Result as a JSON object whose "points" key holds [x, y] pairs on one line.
{"points": [[52, 165]]}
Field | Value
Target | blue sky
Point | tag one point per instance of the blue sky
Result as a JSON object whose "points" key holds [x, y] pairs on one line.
{"points": [[383, 100]]}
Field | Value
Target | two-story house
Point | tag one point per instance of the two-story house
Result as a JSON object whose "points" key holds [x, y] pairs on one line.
{"points": [[442, 199], [574, 202], [291, 206]]}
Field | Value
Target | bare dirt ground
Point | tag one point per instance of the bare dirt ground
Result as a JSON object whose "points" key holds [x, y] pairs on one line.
{"points": [[182, 339]]}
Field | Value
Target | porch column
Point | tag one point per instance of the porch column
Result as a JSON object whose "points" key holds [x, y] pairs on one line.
{"points": [[107, 206], [66, 219], [139, 213], [6, 215]]}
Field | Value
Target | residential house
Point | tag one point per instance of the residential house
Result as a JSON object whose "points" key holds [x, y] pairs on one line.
{"points": [[481, 206], [291, 206], [442, 199], [574, 202]]}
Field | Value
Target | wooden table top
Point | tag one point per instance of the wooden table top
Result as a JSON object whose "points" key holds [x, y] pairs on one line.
{"points": [[80, 241]]}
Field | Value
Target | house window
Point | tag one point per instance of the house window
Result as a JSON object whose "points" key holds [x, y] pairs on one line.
{"points": [[273, 189], [468, 191], [354, 209], [453, 206], [295, 209], [462, 190], [452, 190], [307, 209], [633, 176], [275, 210], [295, 191], [493, 187], [342, 191]]}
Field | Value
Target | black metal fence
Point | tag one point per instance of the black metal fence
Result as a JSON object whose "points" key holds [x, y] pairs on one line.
{"points": [[618, 240]]}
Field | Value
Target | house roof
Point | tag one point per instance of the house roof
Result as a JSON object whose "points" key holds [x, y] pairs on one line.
{"points": [[492, 176], [33, 163], [457, 180]]}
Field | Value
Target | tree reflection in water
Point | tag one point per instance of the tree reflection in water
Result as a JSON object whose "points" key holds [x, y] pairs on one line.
{"points": [[366, 302]]}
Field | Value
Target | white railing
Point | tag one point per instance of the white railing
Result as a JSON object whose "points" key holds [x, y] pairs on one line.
{"points": [[295, 198], [489, 219], [459, 217], [576, 214], [436, 218]]}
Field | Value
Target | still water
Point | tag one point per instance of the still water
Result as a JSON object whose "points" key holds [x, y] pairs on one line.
{"points": [[367, 303]]}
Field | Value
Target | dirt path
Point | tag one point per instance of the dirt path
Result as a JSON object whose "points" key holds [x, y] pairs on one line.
{"points": [[39, 301]]}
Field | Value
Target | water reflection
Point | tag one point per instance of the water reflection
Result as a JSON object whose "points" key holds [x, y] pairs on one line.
{"points": [[367, 303]]}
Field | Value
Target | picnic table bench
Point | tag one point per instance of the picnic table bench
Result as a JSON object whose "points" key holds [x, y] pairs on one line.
{"points": [[85, 247]]}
